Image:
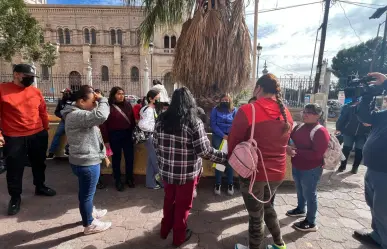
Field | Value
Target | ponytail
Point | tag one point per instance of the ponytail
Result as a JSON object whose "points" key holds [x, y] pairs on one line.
{"points": [[283, 112]]}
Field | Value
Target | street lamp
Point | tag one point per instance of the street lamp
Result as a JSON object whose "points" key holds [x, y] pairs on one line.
{"points": [[151, 47], [259, 52]]}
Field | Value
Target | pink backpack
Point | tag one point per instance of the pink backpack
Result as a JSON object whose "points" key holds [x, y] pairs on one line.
{"points": [[244, 159]]}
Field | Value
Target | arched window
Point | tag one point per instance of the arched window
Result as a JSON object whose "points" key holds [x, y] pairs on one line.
{"points": [[173, 41], [75, 80], [105, 73], [45, 73], [135, 74], [119, 36], [67, 36], [113, 37], [93, 36], [87, 36], [166, 41], [60, 36]]}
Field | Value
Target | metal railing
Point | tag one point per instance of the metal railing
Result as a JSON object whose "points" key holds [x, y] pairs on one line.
{"points": [[295, 89]]}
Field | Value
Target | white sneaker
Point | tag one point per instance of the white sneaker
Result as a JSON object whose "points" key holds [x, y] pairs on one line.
{"points": [[230, 189], [97, 226], [239, 246], [217, 189], [195, 193], [99, 213]]}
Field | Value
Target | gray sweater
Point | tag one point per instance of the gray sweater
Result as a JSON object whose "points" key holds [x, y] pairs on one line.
{"points": [[83, 135]]}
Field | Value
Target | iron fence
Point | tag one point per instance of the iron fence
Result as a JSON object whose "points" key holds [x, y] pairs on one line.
{"points": [[295, 89]]}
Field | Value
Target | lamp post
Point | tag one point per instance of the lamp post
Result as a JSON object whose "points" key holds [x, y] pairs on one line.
{"points": [[259, 52], [151, 47]]}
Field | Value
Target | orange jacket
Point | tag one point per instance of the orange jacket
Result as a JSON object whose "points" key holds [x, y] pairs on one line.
{"points": [[268, 133], [23, 111]]}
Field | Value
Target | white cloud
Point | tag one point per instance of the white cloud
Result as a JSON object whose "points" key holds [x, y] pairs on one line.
{"points": [[288, 36]]}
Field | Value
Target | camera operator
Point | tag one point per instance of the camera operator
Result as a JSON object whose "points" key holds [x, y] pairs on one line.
{"points": [[354, 133], [60, 130], [375, 158]]}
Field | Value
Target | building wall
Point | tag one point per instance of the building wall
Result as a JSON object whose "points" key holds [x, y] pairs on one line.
{"points": [[119, 58]]}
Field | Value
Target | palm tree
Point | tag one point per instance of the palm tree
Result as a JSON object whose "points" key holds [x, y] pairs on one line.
{"points": [[213, 53]]}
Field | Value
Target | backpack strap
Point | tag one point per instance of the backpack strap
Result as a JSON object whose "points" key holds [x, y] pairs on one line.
{"points": [[313, 131], [252, 122]]}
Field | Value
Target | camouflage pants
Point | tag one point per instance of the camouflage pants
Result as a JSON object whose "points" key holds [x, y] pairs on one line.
{"points": [[260, 213]]}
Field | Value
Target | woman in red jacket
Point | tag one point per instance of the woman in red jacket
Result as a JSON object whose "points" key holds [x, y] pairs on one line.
{"points": [[310, 142], [117, 134], [273, 124]]}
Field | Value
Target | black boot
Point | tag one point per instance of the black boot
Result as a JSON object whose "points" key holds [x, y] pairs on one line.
{"points": [[356, 163], [119, 186], [130, 182], [346, 152], [100, 184], [14, 205]]}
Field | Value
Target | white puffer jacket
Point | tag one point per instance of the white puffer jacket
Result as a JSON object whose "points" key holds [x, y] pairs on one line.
{"points": [[147, 119], [163, 93]]}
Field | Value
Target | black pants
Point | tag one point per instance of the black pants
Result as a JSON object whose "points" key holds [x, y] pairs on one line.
{"points": [[16, 150]]}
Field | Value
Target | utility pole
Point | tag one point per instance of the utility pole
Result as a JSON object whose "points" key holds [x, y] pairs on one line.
{"points": [[314, 55], [322, 46], [255, 41], [383, 52], [374, 52]]}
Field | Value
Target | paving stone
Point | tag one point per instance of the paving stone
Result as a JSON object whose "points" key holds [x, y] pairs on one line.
{"points": [[218, 222]]}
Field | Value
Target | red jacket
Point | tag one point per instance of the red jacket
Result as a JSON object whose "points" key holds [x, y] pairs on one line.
{"points": [[117, 122], [268, 133], [136, 111], [310, 154], [23, 111]]}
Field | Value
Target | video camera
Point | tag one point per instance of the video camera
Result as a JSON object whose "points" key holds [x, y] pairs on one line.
{"points": [[359, 87]]}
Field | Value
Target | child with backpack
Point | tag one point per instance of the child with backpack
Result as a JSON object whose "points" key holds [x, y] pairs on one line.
{"points": [[257, 152], [310, 143]]}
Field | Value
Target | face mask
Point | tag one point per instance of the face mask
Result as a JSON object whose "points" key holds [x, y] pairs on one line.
{"points": [[225, 105], [27, 81]]}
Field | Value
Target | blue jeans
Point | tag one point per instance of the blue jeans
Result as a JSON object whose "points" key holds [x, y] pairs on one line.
{"points": [[122, 141], [216, 141], [375, 194], [60, 131], [306, 185], [152, 168], [87, 180]]}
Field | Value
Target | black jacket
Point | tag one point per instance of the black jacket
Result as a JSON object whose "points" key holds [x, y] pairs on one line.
{"points": [[348, 123], [61, 105]]}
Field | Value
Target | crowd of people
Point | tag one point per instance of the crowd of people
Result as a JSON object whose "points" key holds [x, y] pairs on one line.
{"points": [[176, 141]]}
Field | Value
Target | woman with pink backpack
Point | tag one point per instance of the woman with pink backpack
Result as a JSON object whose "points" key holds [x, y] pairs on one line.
{"points": [[268, 123]]}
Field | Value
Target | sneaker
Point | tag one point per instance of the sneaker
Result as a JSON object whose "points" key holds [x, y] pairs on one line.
{"points": [[50, 156], [296, 213], [14, 205], [274, 246], [230, 190], [217, 189], [158, 178], [240, 246], [365, 237], [96, 227], [305, 226], [195, 193], [99, 213], [45, 191], [66, 153]]}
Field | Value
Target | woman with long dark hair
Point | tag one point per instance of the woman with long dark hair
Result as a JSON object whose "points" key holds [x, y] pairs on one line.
{"points": [[117, 134], [87, 151], [181, 142], [221, 120], [148, 116], [272, 129]]}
